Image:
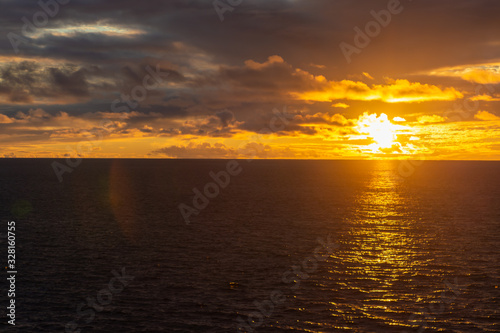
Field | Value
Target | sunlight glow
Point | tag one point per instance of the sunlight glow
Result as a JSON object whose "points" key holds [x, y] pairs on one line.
{"points": [[380, 129]]}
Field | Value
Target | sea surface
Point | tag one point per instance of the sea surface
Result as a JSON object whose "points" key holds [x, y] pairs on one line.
{"points": [[285, 246]]}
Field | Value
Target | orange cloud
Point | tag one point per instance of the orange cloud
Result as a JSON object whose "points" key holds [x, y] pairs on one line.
{"points": [[486, 116], [340, 105], [275, 59], [320, 118], [431, 119], [5, 120], [396, 91], [486, 98], [488, 73], [368, 75], [482, 76]]}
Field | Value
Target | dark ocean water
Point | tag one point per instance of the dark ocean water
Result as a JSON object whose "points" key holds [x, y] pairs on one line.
{"points": [[412, 253]]}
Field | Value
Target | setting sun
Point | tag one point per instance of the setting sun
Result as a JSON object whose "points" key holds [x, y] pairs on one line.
{"points": [[379, 129]]}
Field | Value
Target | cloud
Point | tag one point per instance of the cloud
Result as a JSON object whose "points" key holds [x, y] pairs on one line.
{"points": [[225, 117], [277, 79], [368, 75], [486, 98], [395, 91], [249, 150], [482, 76], [198, 150], [5, 120], [486, 116], [70, 82], [322, 118], [395, 148], [340, 105], [30, 82], [146, 129], [223, 124], [431, 119], [487, 73], [317, 66]]}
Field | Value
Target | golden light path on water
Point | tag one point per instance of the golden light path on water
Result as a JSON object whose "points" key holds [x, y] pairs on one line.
{"points": [[384, 252], [369, 276]]}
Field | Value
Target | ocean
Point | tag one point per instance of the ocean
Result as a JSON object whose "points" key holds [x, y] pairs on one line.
{"points": [[244, 246]]}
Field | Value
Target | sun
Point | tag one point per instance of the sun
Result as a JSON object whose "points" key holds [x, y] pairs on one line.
{"points": [[379, 129]]}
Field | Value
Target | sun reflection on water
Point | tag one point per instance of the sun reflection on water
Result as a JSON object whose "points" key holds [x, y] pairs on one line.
{"points": [[381, 255]]}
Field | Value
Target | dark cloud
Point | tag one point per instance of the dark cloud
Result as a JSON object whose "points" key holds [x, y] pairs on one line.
{"points": [[71, 83], [225, 117]]}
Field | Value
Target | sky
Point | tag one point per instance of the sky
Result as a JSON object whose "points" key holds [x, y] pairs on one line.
{"points": [[291, 79]]}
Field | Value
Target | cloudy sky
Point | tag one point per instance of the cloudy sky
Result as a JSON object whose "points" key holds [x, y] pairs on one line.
{"points": [[262, 78]]}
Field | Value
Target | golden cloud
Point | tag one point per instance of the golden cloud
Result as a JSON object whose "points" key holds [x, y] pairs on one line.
{"points": [[482, 76], [486, 98], [368, 75], [340, 105], [395, 91], [431, 119], [483, 73], [486, 116]]}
